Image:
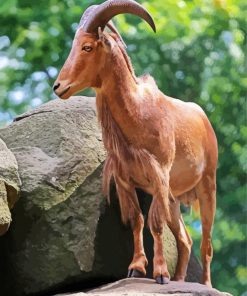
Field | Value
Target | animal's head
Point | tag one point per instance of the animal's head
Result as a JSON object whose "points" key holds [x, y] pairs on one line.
{"points": [[91, 47]]}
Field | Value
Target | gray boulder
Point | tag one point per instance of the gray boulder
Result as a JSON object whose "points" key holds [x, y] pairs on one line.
{"points": [[147, 287], [64, 235]]}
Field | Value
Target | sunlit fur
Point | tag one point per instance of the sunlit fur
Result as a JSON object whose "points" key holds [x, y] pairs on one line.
{"points": [[154, 142]]}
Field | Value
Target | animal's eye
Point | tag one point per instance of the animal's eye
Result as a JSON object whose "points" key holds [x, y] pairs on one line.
{"points": [[87, 48]]}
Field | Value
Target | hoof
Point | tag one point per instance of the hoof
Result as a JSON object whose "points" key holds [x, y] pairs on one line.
{"points": [[162, 280], [135, 273]]}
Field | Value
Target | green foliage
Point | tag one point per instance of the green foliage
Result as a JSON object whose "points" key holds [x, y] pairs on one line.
{"points": [[197, 55]]}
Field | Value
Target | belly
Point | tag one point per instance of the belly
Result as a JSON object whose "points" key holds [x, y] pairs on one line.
{"points": [[186, 169], [185, 174]]}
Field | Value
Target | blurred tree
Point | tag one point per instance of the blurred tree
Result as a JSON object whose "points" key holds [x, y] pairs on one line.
{"points": [[197, 55]]}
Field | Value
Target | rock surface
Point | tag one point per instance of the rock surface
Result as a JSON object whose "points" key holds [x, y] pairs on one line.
{"points": [[9, 185], [147, 287], [64, 235]]}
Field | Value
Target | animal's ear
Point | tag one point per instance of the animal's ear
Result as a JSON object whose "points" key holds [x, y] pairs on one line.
{"points": [[106, 42]]}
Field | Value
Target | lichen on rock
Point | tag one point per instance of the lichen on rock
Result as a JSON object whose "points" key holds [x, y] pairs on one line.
{"points": [[9, 185], [5, 215]]}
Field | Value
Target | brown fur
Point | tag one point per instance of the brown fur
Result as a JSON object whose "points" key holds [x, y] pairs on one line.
{"points": [[120, 154], [160, 144]]}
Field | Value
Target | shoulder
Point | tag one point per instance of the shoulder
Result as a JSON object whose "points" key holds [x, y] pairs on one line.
{"points": [[186, 105], [147, 79]]}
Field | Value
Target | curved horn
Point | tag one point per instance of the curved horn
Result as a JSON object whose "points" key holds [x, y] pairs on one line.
{"points": [[107, 10], [86, 15], [89, 12]]}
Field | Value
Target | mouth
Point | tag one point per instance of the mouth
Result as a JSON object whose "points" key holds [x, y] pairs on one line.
{"points": [[64, 91]]}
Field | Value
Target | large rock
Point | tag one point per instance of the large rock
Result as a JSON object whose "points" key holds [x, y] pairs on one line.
{"points": [[64, 236], [147, 287], [9, 185]]}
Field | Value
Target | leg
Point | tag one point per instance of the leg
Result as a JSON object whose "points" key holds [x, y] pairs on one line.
{"points": [[156, 219], [206, 192], [139, 261], [160, 271], [184, 242], [130, 211]]}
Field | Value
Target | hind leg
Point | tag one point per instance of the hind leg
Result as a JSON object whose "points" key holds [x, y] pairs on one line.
{"points": [[130, 211], [184, 242], [206, 193]]}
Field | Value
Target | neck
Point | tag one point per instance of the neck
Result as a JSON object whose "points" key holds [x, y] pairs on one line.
{"points": [[119, 89], [117, 101]]}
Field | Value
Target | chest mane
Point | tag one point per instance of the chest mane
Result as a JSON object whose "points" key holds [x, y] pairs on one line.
{"points": [[113, 138]]}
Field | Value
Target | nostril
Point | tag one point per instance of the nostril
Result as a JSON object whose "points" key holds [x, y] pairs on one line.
{"points": [[56, 86]]}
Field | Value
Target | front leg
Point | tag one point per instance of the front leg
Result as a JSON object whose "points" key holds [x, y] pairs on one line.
{"points": [[137, 267], [157, 217], [160, 270], [130, 211]]}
